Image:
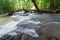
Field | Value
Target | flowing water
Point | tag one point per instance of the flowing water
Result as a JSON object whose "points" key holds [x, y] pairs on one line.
{"points": [[4, 19], [28, 24]]}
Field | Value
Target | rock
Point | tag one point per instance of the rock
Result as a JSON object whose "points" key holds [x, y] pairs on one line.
{"points": [[51, 29]]}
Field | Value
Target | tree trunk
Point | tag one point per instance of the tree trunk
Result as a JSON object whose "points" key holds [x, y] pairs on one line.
{"points": [[10, 13], [34, 2], [52, 4], [43, 11]]}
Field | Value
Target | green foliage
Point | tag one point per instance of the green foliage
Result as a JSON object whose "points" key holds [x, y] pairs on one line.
{"points": [[14, 5], [5, 6], [57, 2], [43, 4], [26, 4]]}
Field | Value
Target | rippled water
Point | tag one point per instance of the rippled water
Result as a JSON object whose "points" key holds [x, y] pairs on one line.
{"points": [[28, 24]]}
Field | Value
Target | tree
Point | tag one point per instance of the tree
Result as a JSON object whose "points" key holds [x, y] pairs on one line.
{"points": [[34, 2], [39, 10], [52, 4]]}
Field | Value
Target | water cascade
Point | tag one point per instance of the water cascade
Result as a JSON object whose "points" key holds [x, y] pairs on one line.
{"points": [[32, 24]]}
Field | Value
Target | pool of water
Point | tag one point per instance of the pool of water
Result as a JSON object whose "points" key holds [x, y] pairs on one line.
{"points": [[4, 19]]}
